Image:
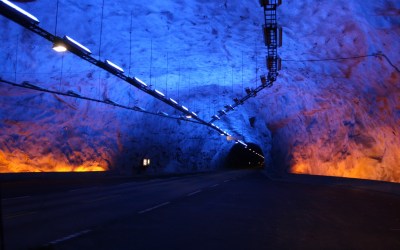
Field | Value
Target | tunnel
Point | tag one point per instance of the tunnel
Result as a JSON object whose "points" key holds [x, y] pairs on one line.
{"points": [[240, 157]]}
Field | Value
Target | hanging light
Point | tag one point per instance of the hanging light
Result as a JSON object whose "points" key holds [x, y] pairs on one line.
{"points": [[59, 46], [229, 107], [71, 42], [237, 101], [137, 108], [159, 93], [216, 117], [112, 66], [248, 90], [222, 112], [173, 101], [137, 80], [20, 13], [185, 108]]}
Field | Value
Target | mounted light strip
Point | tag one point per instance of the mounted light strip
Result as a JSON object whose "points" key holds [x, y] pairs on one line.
{"points": [[222, 112], [140, 82], [229, 107], [173, 101], [113, 66], [159, 93], [241, 142], [84, 53], [20, 12], [71, 42], [194, 114], [137, 108]]}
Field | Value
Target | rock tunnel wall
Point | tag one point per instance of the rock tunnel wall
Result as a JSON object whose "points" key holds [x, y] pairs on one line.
{"points": [[328, 117]]}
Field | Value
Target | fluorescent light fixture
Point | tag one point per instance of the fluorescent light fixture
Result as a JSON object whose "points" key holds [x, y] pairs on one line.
{"points": [[216, 117], [162, 113], [222, 112], [71, 42], [237, 101], [188, 117], [137, 108], [27, 84], [194, 114], [185, 108], [59, 47], [20, 12], [106, 100], [173, 101], [113, 66], [159, 93], [72, 93], [241, 142], [140, 81], [229, 107], [248, 90]]}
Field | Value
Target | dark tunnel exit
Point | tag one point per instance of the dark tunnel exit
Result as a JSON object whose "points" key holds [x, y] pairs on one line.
{"points": [[245, 157]]}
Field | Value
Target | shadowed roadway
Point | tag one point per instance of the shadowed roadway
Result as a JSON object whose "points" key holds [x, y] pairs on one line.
{"points": [[224, 210]]}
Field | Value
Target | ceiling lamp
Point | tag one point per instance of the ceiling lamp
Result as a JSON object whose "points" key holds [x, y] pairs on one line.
{"points": [[112, 66], [140, 82], [173, 101], [77, 46], [159, 93], [216, 117], [20, 13], [59, 47]]}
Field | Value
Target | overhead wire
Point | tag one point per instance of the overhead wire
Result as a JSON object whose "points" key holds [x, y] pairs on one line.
{"points": [[71, 94], [377, 54]]}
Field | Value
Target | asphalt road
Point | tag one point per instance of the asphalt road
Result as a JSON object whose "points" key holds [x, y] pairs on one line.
{"points": [[225, 210]]}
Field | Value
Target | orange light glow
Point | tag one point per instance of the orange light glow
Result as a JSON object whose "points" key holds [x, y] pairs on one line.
{"points": [[17, 162], [377, 160]]}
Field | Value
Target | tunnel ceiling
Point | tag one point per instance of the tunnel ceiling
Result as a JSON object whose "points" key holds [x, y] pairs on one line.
{"points": [[334, 110]]}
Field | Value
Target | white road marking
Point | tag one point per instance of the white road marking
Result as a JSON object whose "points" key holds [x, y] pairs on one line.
{"points": [[155, 207], [75, 190], [83, 189], [18, 214], [71, 236], [193, 193], [102, 198], [15, 198]]}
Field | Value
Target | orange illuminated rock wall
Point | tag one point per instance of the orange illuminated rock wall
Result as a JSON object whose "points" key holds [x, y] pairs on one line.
{"points": [[338, 117], [49, 136], [325, 117]]}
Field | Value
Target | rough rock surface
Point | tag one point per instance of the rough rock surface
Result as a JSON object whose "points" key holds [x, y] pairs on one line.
{"points": [[328, 117]]}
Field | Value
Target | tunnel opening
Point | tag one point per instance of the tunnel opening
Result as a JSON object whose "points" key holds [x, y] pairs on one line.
{"points": [[240, 157]]}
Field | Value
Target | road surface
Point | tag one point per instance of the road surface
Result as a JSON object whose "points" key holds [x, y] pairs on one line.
{"points": [[225, 210]]}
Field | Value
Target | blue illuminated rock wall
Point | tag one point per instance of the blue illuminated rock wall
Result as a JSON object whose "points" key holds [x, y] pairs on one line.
{"points": [[329, 117]]}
